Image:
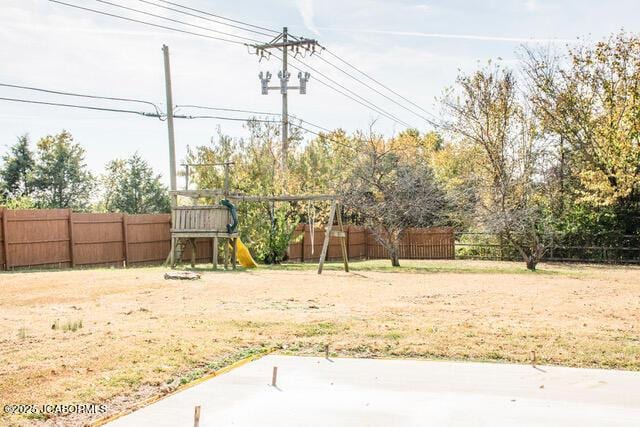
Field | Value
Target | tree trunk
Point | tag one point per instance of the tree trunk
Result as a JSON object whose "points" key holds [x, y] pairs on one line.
{"points": [[393, 255], [395, 261], [531, 263]]}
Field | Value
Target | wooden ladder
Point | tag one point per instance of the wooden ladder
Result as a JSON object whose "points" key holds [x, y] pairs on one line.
{"points": [[177, 251]]}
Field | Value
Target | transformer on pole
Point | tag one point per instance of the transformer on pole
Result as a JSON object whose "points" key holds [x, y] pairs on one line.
{"points": [[296, 45]]}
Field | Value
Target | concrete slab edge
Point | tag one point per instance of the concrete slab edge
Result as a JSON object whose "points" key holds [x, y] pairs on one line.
{"points": [[102, 421]]}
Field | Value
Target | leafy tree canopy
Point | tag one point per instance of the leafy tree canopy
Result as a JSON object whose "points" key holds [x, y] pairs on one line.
{"points": [[131, 186]]}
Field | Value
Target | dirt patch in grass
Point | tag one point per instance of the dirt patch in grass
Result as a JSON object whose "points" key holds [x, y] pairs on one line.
{"points": [[132, 334]]}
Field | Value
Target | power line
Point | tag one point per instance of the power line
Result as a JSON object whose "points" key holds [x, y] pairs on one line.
{"points": [[86, 107], [376, 107], [146, 114], [175, 20], [326, 137], [146, 23], [252, 112], [371, 105], [376, 81], [234, 110], [141, 113], [232, 119], [310, 124], [158, 113], [206, 19], [80, 95], [377, 91], [364, 101], [251, 119], [218, 16]]}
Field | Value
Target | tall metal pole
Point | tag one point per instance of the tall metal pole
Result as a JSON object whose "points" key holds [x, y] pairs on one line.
{"points": [[285, 107], [172, 142]]}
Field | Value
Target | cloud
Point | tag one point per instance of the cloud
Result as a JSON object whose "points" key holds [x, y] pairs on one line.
{"points": [[305, 7], [477, 37], [423, 7]]}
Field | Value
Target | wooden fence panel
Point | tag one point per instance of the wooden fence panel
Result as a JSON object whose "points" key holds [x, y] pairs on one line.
{"points": [[148, 238], [37, 238], [97, 238], [203, 251], [356, 242], [417, 243], [3, 226], [295, 250], [308, 249]]}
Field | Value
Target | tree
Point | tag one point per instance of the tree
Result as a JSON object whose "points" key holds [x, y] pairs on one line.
{"points": [[487, 114], [391, 194], [267, 228], [61, 176], [589, 101], [132, 187], [16, 180]]}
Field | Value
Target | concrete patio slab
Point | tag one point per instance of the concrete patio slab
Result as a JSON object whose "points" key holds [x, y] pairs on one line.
{"points": [[357, 392]]}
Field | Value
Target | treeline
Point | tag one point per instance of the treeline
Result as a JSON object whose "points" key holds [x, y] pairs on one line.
{"points": [[55, 175]]}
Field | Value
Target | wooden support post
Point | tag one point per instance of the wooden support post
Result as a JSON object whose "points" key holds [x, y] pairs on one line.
{"points": [[125, 239], [196, 417], [72, 242], [304, 230], [327, 236], [214, 257], [226, 254], [345, 255], [234, 252], [274, 376], [348, 242], [172, 255], [5, 238], [193, 252], [326, 351]]}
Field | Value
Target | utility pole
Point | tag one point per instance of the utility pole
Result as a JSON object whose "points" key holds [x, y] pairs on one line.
{"points": [[298, 46], [284, 80], [172, 141]]}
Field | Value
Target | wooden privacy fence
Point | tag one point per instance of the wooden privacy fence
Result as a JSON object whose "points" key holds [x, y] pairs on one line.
{"points": [[61, 238], [417, 243]]}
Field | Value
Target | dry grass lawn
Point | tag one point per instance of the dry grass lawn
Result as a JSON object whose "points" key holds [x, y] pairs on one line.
{"points": [[118, 336]]}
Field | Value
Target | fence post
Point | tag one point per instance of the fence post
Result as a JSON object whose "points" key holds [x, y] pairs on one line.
{"points": [[5, 239], [348, 241], [366, 244], [71, 241], [451, 246], [125, 238], [304, 230]]}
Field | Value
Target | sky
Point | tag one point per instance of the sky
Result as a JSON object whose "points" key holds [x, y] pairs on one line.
{"points": [[415, 47]]}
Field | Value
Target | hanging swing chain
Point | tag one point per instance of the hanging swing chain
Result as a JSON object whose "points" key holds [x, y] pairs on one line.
{"points": [[312, 226]]}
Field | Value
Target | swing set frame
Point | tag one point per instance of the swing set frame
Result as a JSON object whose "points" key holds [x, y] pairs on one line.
{"points": [[329, 229]]}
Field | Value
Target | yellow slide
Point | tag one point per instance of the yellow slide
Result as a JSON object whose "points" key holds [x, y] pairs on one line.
{"points": [[244, 256]]}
